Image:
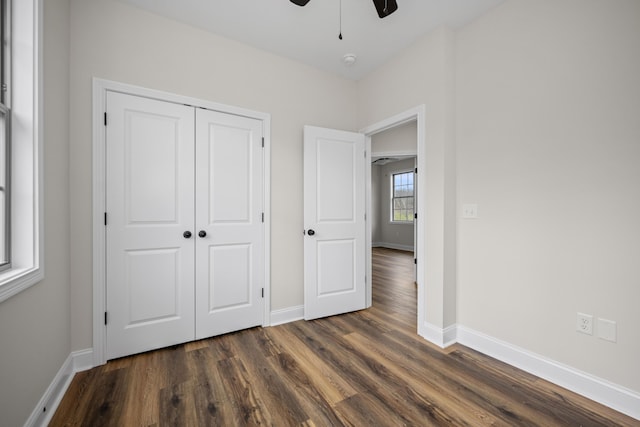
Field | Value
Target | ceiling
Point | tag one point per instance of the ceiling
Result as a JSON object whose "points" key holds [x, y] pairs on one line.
{"points": [[309, 34]]}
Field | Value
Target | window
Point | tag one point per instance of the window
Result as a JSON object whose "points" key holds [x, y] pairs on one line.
{"points": [[402, 197], [21, 235], [5, 139]]}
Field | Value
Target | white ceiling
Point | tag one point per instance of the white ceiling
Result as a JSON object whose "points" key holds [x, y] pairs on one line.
{"points": [[309, 34]]}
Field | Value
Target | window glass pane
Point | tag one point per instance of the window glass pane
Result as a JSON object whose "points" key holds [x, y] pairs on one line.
{"points": [[4, 205], [402, 200]]}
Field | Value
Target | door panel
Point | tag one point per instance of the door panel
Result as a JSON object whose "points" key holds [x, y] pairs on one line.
{"points": [[150, 199], [151, 169], [231, 174], [229, 264], [334, 208], [153, 284], [336, 181], [341, 256], [229, 206]]}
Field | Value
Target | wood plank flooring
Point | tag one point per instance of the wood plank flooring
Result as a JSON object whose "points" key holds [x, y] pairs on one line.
{"points": [[360, 369]]}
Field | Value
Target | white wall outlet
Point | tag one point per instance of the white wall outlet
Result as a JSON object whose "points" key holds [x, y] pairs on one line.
{"points": [[585, 324], [607, 330], [470, 211]]}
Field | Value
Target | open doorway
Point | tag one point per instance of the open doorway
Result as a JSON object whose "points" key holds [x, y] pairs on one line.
{"points": [[394, 195], [415, 115]]}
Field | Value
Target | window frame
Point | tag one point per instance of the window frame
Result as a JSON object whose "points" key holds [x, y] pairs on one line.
{"points": [[5, 216], [24, 96], [393, 197], [5, 144]]}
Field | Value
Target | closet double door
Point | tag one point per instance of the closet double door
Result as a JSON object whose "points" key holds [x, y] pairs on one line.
{"points": [[184, 223]]}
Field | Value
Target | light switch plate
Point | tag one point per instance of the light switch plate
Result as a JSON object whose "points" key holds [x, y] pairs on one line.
{"points": [[607, 330], [469, 211]]}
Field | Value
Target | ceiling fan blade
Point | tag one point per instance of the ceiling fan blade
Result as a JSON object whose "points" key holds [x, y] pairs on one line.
{"points": [[385, 7], [300, 2]]}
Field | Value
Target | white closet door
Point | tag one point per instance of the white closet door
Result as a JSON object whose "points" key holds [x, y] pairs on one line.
{"points": [[150, 204], [229, 223], [334, 209]]}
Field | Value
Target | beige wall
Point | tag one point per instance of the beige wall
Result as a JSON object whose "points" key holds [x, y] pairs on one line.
{"points": [[545, 101], [34, 324], [118, 42], [397, 140], [375, 202], [548, 139]]}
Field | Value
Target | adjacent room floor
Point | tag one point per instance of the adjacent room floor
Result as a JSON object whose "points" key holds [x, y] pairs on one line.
{"points": [[368, 368]]}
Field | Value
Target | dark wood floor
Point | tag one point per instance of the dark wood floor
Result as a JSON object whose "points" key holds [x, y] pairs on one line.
{"points": [[360, 369]]}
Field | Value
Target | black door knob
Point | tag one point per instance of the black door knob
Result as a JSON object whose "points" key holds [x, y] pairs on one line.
{"points": [[311, 232], [186, 234], [202, 233]]}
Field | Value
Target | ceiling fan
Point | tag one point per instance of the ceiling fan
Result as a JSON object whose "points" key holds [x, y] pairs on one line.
{"points": [[383, 7]]}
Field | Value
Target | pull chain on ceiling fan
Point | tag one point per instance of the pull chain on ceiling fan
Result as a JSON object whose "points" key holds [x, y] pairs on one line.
{"points": [[340, 33]]}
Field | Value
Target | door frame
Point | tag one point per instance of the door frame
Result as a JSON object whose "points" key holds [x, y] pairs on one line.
{"points": [[419, 115], [99, 180]]}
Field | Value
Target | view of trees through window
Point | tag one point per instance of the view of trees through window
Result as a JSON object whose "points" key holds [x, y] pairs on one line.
{"points": [[402, 203]]}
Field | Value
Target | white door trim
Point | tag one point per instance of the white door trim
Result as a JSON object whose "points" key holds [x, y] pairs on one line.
{"points": [[419, 115], [100, 89]]}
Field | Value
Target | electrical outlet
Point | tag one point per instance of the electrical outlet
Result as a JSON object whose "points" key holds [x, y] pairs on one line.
{"points": [[585, 324]]}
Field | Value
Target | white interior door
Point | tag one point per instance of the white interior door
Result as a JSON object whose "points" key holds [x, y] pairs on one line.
{"points": [[150, 200], [229, 222], [334, 221]]}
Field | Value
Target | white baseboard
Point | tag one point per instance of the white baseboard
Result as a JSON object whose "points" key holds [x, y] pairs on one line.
{"points": [[602, 391], [392, 246], [46, 407], [286, 315], [443, 338], [82, 360]]}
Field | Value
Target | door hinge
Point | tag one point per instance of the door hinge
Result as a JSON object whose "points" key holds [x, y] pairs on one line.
{"points": [[263, 142], [415, 215], [105, 118], [262, 216], [415, 261], [416, 170], [105, 317], [105, 218], [262, 292]]}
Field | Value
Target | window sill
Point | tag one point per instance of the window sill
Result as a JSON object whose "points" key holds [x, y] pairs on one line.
{"points": [[16, 280], [401, 223]]}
